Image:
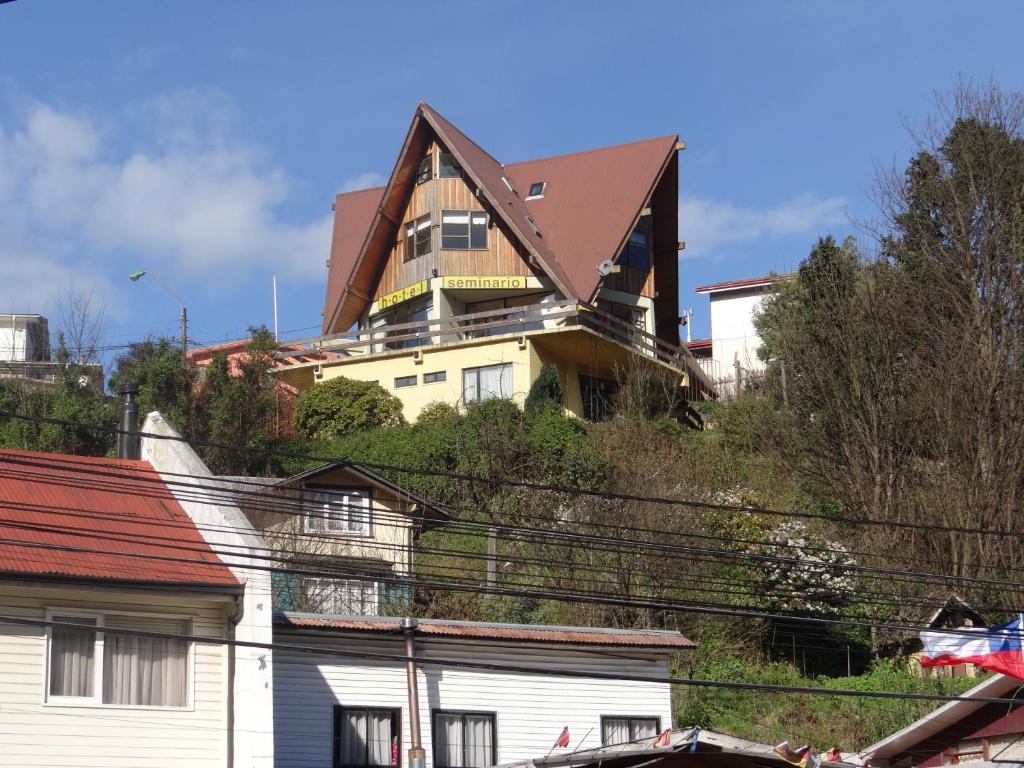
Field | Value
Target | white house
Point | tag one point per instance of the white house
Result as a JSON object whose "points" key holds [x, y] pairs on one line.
{"points": [[734, 339], [94, 551], [24, 338], [333, 707]]}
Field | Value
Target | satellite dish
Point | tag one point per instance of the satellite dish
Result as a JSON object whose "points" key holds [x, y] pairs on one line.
{"points": [[605, 267]]}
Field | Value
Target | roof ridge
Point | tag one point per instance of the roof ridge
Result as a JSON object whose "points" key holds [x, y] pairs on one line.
{"points": [[593, 150], [380, 188], [424, 104]]}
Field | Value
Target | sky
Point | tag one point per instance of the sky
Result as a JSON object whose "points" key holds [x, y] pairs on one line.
{"points": [[204, 142]]}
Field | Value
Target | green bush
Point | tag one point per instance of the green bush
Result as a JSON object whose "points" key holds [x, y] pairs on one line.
{"points": [[546, 388], [341, 407]]}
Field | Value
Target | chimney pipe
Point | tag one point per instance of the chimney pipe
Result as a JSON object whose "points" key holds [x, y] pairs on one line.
{"points": [[128, 440], [417, 755]]}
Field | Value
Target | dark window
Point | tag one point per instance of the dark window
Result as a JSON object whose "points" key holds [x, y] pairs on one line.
{"points": [[463, 230], [449, 167], [425, 171], [464, 739], [597, 395], [417, 238], [637, 253], [405, 381], [366, 737], [434, 377], [408, 312], [616, 729], [537, 189], [633, 315]]}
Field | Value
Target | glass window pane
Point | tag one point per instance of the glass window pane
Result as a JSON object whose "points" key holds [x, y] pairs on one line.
{"points": [[470, 387], [449, 167], [145, 671], [71, 658], [614, 730], [478, 231], [423, 173], [478, 736], [448, 741], [643, 728]]}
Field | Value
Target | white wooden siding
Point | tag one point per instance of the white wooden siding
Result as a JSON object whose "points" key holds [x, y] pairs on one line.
{"points": [[33, 733], [530, 710]]}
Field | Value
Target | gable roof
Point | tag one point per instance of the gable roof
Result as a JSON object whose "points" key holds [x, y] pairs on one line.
{"points": [[432, 514], [739, 285], [99, 519], [484, 630], [585, 216]]}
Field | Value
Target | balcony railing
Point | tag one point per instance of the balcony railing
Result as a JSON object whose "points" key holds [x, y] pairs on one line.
{"points": [[514, 321]]}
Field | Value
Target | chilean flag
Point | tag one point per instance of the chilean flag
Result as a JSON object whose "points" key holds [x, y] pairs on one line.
{"points": [[997, 649]]}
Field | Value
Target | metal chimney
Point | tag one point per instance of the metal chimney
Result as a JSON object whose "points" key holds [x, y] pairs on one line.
{"points": [[128, 440]]}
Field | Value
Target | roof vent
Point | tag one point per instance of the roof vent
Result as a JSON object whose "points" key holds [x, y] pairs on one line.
{"points": [[537, 190], [533, 226], [509, 185]]}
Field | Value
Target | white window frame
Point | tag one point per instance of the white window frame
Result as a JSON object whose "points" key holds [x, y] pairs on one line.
{"points": [[543, 189], [476, 369], [319, 583], [96, 700], [328, 495]]}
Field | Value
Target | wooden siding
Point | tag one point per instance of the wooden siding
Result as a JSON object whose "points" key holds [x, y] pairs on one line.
{"points": [[628, 280], [36, 734], [500, 258], [530, 710]]}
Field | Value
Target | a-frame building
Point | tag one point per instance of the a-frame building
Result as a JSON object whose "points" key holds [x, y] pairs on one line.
{"points": [[462, 277]]}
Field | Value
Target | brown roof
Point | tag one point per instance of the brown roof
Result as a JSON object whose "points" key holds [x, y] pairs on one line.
{"points": [[750, 282], [585, 216], [536, 633], [591, 201]]}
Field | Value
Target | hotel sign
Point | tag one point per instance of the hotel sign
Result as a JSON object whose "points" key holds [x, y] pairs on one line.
{"points": [[484, 281], [403, 294]]}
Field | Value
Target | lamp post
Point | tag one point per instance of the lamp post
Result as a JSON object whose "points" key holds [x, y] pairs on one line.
{"points": [[135, 276]]}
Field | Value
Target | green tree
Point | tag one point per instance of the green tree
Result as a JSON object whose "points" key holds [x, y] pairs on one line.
{"points": [[165, 384], [546, 389], [343, 406]]}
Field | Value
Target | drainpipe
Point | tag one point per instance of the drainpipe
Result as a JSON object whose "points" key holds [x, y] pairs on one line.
{"points": [[233, 621], [417, 756], [128, 440]]}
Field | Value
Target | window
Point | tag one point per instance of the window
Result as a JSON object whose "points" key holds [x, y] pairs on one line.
{"points": [[105, 666], [631, 314], [365, 737], [426, 170], [597, 396], [536, 190], [637, 252], [408, 312], [343, 597], [417, 238], [435, 377], [463, 230], [405, 381], [464, 739], [521, 302], [449, 167], [337, 510], [618, 730], [487, 382]]}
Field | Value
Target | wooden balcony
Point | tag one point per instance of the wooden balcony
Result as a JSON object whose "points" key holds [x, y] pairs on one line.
{"points": [[533, 321]]}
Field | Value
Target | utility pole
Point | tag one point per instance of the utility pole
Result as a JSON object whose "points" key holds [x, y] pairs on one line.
{"points": [[785, 389], [417, 755], [135, 276]]}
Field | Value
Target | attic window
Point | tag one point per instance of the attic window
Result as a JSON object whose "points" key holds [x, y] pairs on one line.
{"points": [[425, 171], [448, 166], [537, 190]]}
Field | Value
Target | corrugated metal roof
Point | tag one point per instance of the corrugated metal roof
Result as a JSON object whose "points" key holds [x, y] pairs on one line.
{"points": [[585, 215], [536, 633], [733, 285], [53, 506]]}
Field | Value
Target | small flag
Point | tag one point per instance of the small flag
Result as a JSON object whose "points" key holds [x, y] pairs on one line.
{"points": [[994, 648], [664, 739], [795, 756], [833, 755], [563, 739]]}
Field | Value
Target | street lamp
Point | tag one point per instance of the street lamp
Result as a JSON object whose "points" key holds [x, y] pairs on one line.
{"points": [[135, 276]]}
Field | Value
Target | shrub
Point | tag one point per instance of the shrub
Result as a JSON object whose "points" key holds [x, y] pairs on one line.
{"points": [[343, 406], [546, 388]]}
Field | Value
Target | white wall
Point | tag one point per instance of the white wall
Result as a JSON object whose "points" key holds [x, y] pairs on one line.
{"points": [[733, 336], [17, 343], [225, 528], [34, 732], [531, 710]]}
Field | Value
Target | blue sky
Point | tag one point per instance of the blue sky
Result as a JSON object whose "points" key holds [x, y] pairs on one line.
{"points": [[205, 141]]}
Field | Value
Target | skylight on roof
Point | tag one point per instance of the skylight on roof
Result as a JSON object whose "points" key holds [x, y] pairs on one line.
{"points": [[537, 190]]}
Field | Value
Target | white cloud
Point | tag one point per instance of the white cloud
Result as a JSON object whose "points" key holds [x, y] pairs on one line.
{"points": [[191, 201], [363, 181], [709, 226]]}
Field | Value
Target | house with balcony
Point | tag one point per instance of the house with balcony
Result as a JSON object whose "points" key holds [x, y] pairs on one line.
{"points": [[463, 276]]}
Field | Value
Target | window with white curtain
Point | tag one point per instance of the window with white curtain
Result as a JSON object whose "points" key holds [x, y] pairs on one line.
{"points": [[620, 729], [365, 736], [111, 667], [343, 597], [486, 382], [337, 510], [464, 739]]}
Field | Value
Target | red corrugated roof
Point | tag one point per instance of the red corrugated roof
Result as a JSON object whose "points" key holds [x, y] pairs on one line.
{"points": [[55, 508], [586, 213], [537, 633], [750, 282]]}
